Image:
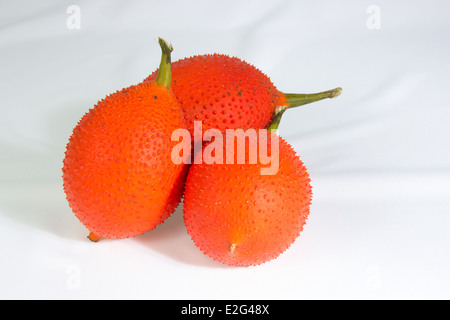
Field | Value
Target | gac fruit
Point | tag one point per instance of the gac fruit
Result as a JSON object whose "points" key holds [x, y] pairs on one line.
{"points": [[228, 93], [240, 217], [118, 175]]}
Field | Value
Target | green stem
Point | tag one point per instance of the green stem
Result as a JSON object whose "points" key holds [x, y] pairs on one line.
{"points": [[295, 100], [278, 113], [299, 99], [164, 76]]}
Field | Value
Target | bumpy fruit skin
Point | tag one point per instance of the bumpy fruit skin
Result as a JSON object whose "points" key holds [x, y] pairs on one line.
{"points": [[118, 175], [238, 216], [223, 92]]}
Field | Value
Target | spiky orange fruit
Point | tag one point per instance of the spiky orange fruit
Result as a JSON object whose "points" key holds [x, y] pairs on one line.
{"points": [[118, 175], [239, 216], [227, 93]]}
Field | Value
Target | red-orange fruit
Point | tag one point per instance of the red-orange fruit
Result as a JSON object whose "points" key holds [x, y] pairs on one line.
{"points": [[118, 175], [227, 93], [240, 217]]}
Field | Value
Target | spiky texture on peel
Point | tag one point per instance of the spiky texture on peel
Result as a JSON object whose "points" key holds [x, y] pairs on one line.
{"points": [[118, 174], [238, 216], [223, 92]]}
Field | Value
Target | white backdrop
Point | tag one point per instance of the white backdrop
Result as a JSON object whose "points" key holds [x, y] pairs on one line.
{"points": [[378, 155]]}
